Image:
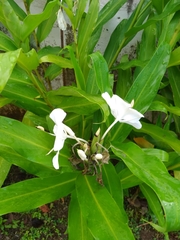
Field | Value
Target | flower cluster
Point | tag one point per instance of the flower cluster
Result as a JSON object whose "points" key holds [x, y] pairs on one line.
{"points": [[121, 110]]}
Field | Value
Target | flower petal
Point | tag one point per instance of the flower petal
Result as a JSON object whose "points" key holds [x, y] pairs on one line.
{"points": [[57, 115], [117, 105], [69, 130], [58, 143], [55, 161]]}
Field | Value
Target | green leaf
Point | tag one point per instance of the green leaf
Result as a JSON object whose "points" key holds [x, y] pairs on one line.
{"points": [[52, 71], [86, 30], [108, 11], [4, 101], [124, 81], [162, 107], [128, 179], [158, 5], [34, 120], [174, 59], [174, 161], [48, 50], [129, 64], [153, 203], [20, 88], [160, 154], [77, 224], [112, 183], [101, 73], [170, 8], [29, 142], [80, 81], [35, 192], [173, 30], [147, 46], [5, 167], [100, 210], [72, 99], [46, 26], [31, 22], [29, 61], [80, 10], [10, 20], [29, 2], [174, 81], [162, 135], [19, 12], [118, 39], [58, 60], [7, 62], [6, 43], [37, 169], [153, 172]]}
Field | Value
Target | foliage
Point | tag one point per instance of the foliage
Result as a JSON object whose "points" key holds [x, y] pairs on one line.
{"points": [[148, 157]]}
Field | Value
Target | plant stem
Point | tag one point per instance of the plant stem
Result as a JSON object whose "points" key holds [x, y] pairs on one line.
{"points": [[166, 236], [109, 128]]}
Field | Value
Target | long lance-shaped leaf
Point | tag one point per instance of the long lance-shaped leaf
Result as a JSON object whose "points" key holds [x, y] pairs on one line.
{"points": [[35, 192], [46, 26], [154, 173], [72, 99], [118, 39], [145, 87], [37, 169], [100, 210], [20, 89], [87, 28], [5, 167], [80, 80], [79, 13], [112, 183], [161, 135], [153, 203], [100, 73], [170, 8], [7, 62], [9, 18], [108, 11], [77, 224], [31, 22], [58, 60], [30, 143], [6, 43]]}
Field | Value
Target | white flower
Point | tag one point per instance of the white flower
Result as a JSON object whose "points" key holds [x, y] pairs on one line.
{"points": [[61, 132], [123, 111], [61, 20], [82, 155]]}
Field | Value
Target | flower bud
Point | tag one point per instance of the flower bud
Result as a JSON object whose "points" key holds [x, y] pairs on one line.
{"points": [[82, 155], [98, 156], [61, 21]]}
